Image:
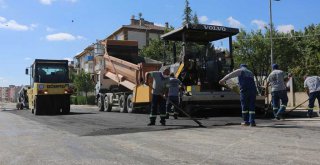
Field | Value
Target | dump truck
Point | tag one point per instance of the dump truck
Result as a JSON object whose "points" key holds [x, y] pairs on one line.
{"points": [[50, 89], [121, 82], [201, 69]]}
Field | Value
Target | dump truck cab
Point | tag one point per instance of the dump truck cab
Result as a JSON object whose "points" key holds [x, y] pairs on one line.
{"points": [[50, 90], [201, 69]]}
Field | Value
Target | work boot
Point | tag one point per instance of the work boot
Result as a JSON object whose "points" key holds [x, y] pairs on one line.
{"points": [[167, 115], [245, 124], [152, 123], [163, 122]]}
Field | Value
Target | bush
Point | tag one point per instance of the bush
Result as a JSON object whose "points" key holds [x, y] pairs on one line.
{"points": [[81, 100], [73, 100], [91, 100]]}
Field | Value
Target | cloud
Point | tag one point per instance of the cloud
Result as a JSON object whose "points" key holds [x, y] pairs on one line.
{"points": [[3, 4], [260, 24], [218, 23], [14, 25], [49, 29], [46, 2], [159, 24], [234, 23], [49, 2], [73, 1], [68, 58], [63, 37], [203, 19], [285, 28], [27, 58]]}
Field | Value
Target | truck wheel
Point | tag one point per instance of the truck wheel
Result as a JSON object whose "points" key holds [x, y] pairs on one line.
{"points": [[130, 107], [100, 103], [122, 104], [36, 106], [106, 104]]}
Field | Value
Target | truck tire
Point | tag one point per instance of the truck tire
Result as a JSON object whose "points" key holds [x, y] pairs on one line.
{"points": [[129, 104], [66, 107], [123, 104], [100, 103], [106, 104], [36, 110]]}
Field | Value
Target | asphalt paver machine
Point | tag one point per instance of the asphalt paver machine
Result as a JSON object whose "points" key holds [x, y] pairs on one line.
{"points": [[201, 69]]}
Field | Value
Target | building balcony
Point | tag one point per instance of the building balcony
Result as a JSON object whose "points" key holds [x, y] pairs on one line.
{"points": [[88, 58], [98, 49]]}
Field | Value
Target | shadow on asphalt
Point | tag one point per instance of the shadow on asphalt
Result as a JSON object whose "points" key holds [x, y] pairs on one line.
{"points": [[71, 113], [126, 130]]}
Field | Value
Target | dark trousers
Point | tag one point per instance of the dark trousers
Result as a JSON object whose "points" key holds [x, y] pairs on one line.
{"points": [[312, 98], [247, 99], [278, 96], [158, 103], [170, 100]]}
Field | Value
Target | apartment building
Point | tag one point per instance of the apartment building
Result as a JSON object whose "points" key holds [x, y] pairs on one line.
{"points": [[84, 60], [91, 58], [10, 93], [139, 30]]}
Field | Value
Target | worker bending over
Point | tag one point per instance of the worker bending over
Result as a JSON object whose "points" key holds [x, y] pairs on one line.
{"points": [[247, 93], [160, 80], [312, 86], [277, 79]]}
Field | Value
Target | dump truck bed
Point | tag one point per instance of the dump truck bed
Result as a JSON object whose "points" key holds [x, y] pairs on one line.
{"points": [[123, 64]]}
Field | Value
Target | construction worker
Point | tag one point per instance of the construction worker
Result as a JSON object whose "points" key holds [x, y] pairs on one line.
{"points": [[247, 93], [173, 96], [277, 79], [160, 80], [312, 86]]}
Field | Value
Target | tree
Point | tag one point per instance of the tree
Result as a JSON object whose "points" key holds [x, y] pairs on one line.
{"points": [[195, 19], [84, 83], [252, 49], [187, 14], [297, 52]]}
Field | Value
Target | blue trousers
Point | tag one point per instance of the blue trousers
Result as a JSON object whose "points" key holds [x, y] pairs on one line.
{"points": [[175, 100], [278, 96], [312, 98], [247, 99], [157, 103]]}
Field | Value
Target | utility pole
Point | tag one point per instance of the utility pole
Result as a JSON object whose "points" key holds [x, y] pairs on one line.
{"points": [[271, 32]]}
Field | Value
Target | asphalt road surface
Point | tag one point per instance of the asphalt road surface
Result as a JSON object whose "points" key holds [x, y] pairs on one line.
{"points": [[87, 136]]}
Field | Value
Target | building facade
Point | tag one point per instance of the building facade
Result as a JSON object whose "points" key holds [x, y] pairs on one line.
{"points": [[91, 59], [138, 30]]}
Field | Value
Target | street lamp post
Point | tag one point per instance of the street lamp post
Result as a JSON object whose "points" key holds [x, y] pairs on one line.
{"points": [[271, 26]]}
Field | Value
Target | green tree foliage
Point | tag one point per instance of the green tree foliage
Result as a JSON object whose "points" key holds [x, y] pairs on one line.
{"points": [[253, 49], [297, 52], [84, 83], [195, 19], [187, 14]]}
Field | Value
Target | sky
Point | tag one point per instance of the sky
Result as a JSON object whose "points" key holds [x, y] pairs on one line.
{"points": [[60, 29]]}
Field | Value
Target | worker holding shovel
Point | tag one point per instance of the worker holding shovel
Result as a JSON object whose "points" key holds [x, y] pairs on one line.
{"points": [[160, 80], [312, 86], [277, 79], [247, 93]]}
